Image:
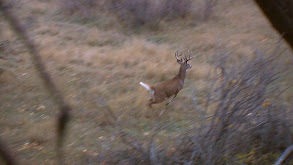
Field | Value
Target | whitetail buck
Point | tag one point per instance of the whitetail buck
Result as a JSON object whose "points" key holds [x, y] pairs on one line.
{"points": [[171, 87]]}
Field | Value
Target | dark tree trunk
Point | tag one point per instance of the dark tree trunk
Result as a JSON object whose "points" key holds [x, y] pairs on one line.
{"points": [[280, 14]]}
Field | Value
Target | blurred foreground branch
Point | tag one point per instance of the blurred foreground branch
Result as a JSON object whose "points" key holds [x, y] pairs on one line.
{"points": [[288, 152], [6, 155], [64, 108]]}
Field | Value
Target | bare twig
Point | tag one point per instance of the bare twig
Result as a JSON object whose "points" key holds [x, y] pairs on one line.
{"points": [[285, 156], [152, 147], [125, 137]]}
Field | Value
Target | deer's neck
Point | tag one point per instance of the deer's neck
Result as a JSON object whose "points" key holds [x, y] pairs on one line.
{"points": [[182, 74]]}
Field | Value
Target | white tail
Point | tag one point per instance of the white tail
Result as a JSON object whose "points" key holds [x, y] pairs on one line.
{"points": [[147, 87], [170, 87]]}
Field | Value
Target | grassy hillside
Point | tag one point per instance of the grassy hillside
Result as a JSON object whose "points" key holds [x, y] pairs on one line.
{"points": [[98, 61]]}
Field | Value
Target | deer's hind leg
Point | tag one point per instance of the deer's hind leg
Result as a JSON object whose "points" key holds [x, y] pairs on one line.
{"points": [[154, 101]]}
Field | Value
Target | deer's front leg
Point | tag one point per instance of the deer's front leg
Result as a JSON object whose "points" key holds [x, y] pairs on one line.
{"points": [[171, 99], [167, 104]]}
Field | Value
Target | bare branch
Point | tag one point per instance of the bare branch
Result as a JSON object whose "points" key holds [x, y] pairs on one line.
{"points": [[285, 156], [125, 137], [6, 155], [64, 108]]}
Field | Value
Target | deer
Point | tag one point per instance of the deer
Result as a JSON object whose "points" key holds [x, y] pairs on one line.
{"points": [[171, 87]]}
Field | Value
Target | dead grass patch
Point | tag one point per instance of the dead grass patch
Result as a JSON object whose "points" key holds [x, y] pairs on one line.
{"points": [[40, 132]]}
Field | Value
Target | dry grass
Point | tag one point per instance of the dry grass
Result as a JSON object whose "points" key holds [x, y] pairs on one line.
{"points": [[90, 64]]}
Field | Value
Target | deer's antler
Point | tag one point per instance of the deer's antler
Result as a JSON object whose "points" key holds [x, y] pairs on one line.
{"points": [[189, 56], [177, 55], [183, 59]]}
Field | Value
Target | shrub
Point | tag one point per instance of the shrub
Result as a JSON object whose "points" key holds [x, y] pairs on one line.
{"points": [[208, 9], [178, 8], [83, 8], [149, 12], [139, 12], [130, 12], [246, 113]]}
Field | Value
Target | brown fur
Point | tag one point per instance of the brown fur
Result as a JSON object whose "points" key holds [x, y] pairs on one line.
{"points": [[170, 87]]}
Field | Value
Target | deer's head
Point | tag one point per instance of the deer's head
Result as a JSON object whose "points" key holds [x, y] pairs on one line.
{"points": [[183, 60]]}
